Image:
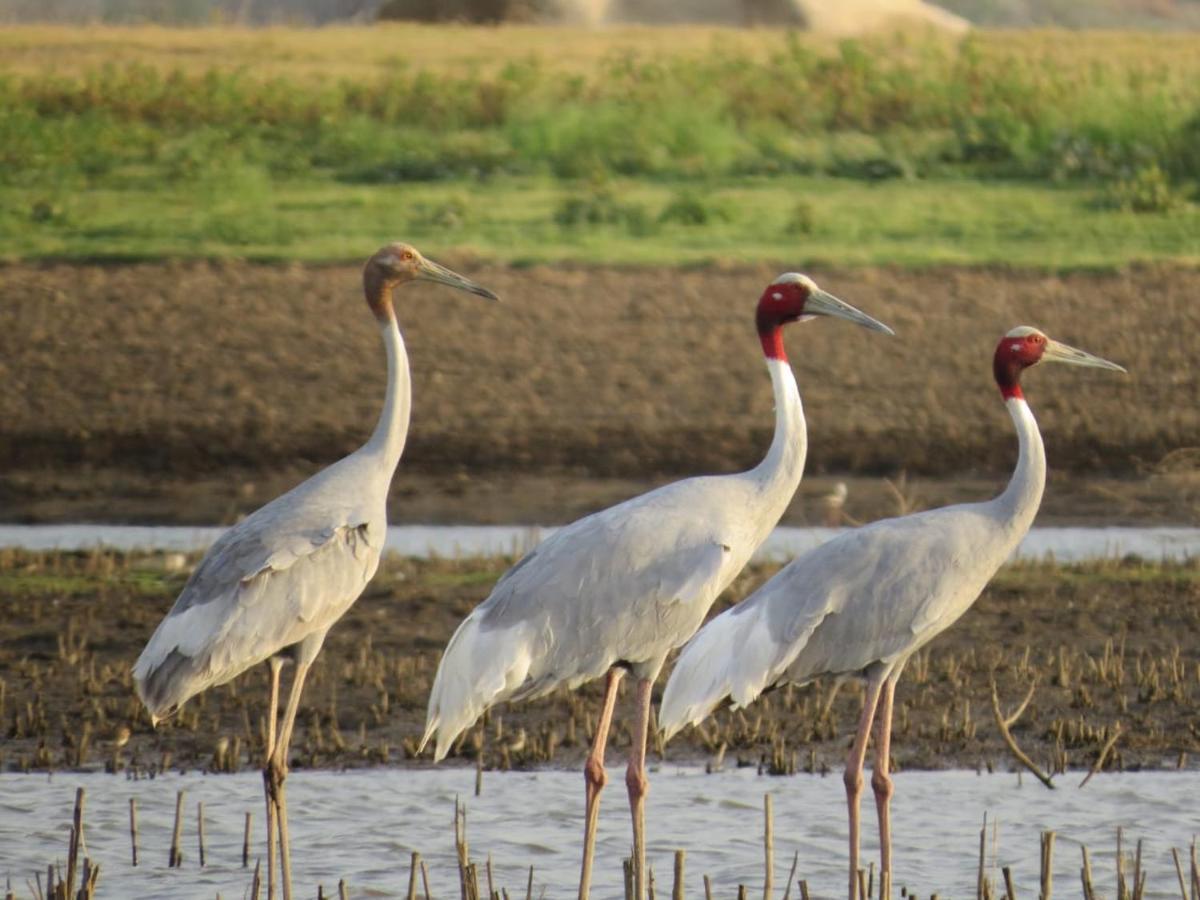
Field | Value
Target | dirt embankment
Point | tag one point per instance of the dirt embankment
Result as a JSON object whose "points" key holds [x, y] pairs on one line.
{"points": [[194, 392], [1103, 644]]}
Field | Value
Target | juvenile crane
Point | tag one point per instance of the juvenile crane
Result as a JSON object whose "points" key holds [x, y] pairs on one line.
{"points": [[282, 576], [864, 602], [620, 589]]}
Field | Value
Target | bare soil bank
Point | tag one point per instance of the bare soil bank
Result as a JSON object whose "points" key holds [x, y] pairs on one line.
{"points": [[1104, 645], [194, 392]]}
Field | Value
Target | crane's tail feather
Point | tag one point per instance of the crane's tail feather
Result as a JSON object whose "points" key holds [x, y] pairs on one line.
{"points": [[734, 656], [478, 669]]}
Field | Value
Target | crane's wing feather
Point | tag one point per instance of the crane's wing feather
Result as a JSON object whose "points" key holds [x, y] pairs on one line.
{"points": [[867, 596], [612, 587], [265, 584]]}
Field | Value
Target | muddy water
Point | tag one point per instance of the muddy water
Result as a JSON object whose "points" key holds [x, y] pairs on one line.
{"points": [[1063, 544], [363, 825]]}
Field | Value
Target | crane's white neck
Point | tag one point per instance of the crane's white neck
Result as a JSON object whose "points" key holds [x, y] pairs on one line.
{"points": [[779, 472], [392, 428], [1023, 495]]}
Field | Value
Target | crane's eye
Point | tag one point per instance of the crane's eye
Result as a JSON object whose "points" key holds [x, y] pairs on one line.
{"points": [[406, 256]]}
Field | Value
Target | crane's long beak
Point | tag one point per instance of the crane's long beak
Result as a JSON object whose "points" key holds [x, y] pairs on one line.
{"points": [[1056, 352], [822, 303], [431, 271]]}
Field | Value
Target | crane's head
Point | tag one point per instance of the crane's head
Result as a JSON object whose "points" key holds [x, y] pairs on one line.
{"points": [[793, 297], [1024, 347], [398, 263]]}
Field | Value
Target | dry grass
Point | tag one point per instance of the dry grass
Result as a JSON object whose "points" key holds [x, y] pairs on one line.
{"points": [[319, 54], [1102, 642], [355, 53]]}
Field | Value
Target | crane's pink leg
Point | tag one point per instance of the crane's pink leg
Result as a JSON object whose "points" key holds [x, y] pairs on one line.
{"points": [[639, 785], [268, 779], [308, 650], [853, 776], [594, 777], [881, 784]]}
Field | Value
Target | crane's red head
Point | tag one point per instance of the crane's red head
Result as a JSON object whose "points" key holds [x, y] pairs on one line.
{"points": [[1024, 347], [1017, 351], [397, 263], [793, 297]]}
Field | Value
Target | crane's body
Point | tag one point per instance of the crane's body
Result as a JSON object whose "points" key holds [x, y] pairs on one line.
{"points": [[619, 590], [624, 586], [288, 571], [281, 576], [865, 601]]}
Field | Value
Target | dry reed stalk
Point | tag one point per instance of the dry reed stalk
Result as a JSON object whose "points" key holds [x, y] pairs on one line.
{"points": [[256, 881], [200, 830], [1183, 891], [1004, 723], [1122, 889], [414, 867], [650, 894], [490, 881], [1009, 892], [246, 843], [787, 891], [1104, 751], [803, 889], [708, 895], [980, 881], [175, 857], [343, 891], [76, 838], [677, 886], [1047, 867], [627, 873], [425, 880], [133, 830], [529, 885], [768, 848], [1085, 875]]}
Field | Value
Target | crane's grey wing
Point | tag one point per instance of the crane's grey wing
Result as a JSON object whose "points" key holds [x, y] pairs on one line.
{"points": [[869, 595], [262, 587], [568, 611]]}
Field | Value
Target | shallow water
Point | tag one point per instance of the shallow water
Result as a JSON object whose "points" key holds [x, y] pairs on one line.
{"points": [[362, 826], [1063, 544]]}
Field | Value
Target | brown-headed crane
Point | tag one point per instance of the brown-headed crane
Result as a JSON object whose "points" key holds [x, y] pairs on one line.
{"points": [[280, 578]]}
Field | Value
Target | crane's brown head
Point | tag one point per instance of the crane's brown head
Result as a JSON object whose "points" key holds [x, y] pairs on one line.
{"points": [[793, 297], [398, 263], [1025, 347]]}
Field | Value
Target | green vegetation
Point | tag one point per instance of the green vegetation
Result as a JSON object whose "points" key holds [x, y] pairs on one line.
{"points": [[523, 220], [998, 149]]}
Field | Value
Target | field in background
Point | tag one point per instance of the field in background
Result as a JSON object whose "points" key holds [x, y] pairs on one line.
{"points": [[630, 145], [195, 392]]}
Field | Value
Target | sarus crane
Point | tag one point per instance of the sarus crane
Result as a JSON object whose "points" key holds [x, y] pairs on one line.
{"points": [[865, 601], [619, 589], [282, 576]]}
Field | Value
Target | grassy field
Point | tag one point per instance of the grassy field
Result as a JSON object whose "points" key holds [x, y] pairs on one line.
{"points": [[624, 145]]}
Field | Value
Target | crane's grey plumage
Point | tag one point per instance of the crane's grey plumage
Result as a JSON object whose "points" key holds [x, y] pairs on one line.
{"points": [[282, 576], [625, 586], [865, 601]]}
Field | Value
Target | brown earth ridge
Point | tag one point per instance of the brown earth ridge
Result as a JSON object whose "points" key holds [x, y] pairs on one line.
{"points": [[193, 392]]}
